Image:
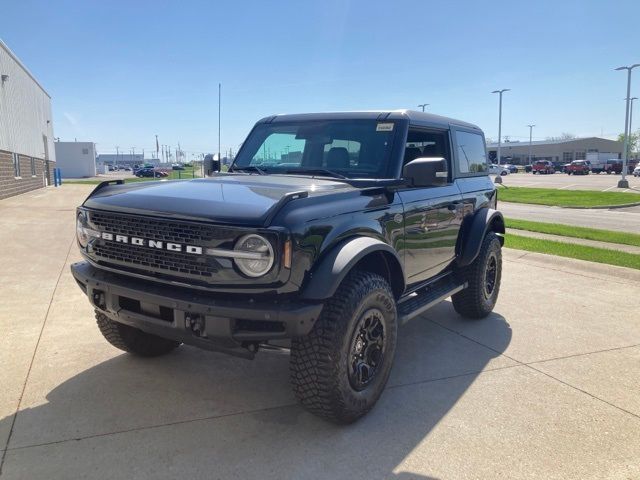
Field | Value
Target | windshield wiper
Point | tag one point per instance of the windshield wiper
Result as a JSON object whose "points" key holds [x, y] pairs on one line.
{"points": [[323, 172], [249, 168]]}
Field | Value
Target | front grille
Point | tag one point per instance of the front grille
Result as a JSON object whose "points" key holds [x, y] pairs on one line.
{"points": [[162, 262]]}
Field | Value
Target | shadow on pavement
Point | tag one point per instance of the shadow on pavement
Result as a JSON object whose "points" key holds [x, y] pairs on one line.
{"points": [[203, 412]]}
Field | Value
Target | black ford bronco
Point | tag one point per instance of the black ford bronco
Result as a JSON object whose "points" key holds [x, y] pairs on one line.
{"points": [[328, 231]]}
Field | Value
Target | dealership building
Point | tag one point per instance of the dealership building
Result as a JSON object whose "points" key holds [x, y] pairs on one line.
{"points": [[27, 154], [564, 151]]}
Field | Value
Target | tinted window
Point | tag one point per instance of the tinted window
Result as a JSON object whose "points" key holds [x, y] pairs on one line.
{"points": [[472, 156]]}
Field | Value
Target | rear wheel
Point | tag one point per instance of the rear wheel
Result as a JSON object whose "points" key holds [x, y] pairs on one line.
{"points": [[339, 370], [483, 278], [133, 340]]}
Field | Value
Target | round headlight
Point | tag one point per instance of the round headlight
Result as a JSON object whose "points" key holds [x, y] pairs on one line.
{"points": [[81, 222], [254, 255]]}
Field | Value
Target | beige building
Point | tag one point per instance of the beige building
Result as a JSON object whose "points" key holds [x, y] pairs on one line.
{"points": [[562, 151]]}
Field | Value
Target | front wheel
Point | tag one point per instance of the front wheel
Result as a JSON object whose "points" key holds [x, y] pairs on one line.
{"points": [[339, 370], [133, 340], [483, 277]]}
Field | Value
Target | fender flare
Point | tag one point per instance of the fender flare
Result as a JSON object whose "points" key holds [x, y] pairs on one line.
{"points": [[474, 231], [334, 266]]}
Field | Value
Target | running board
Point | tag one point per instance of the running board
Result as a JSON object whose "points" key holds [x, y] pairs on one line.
{"points": [[423, 300]]}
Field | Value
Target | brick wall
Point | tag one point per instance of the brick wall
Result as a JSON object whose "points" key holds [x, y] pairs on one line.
{"points": [[10, 185]]}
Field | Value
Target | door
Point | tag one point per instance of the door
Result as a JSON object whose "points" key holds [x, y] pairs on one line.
{"points": [[432, 216]]}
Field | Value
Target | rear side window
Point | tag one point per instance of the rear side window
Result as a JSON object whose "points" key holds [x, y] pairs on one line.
{"points": [[471, 154]]}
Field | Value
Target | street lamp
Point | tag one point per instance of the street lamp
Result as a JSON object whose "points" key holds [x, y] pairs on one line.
{"points": [[623, 183], [500, 120], [423, 105], [631, 117], [530, 138]]}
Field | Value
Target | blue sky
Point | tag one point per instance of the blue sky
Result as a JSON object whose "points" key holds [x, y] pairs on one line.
{"points": [[120, 72]]}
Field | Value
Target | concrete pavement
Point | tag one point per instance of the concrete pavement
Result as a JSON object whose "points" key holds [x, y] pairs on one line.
{"points": [[619, 219], [562, 181], [546, 387]]}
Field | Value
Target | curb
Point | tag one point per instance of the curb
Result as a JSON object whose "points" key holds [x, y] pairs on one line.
{"points": [[601, 207]]}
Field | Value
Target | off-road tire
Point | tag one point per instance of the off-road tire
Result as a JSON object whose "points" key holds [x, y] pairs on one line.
{"points": [[133, 340], [320, 361], [473, 301]]}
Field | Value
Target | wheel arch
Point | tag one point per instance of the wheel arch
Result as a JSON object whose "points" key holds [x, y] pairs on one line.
{"points": [[365, 253], [474, 230]]}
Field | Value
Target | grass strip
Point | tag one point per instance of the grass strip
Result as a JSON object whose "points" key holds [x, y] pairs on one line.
{"points": [[566, 198], [622, 238], [185, 174], [570, 250]]}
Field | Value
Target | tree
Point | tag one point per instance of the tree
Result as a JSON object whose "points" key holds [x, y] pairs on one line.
{"points": [[633, 140], [563, 136]]}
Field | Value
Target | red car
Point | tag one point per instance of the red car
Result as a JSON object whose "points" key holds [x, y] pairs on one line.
{"points": [[543, 166], [578, 167]]}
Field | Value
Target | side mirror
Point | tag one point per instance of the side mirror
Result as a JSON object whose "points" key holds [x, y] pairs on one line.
{"points": [[426, 172]]}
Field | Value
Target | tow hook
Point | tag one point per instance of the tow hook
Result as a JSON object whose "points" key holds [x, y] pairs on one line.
{"points": [[195, 323]]}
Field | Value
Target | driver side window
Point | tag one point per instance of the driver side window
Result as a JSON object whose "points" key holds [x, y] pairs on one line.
{"points": [[426, 143]]}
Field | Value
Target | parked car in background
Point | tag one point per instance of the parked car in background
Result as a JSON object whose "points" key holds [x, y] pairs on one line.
{"points": [[543, 166], [636, 171], [147, 172], [177, 166], [498, 170], [511, 168], [578, 167], [613, 166], [528, 168]]}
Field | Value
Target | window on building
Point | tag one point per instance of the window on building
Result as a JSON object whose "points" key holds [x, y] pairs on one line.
{"points": [[567, 157], [16, 165], [581, 155], [33, 167], [85, 151], [592, 150], [472, 157]]}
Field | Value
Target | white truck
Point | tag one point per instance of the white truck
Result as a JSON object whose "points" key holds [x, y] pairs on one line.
{"points": [[601, 161]]}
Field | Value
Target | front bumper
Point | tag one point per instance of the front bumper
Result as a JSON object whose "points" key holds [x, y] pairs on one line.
{"points": [[194, 317]]}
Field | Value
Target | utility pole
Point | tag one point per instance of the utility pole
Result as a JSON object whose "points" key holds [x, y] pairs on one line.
{"points": [[530, 138], [500, 121], [423, 105], [117, 154]]}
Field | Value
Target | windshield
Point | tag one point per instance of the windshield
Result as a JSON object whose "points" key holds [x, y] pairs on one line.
{"points": [[345, 148]]}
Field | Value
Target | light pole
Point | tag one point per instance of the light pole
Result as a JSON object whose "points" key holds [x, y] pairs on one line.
{"points": [[117, 154], [500, 120], [623, 183], [423, 105], [631, 118], [530, 138]]}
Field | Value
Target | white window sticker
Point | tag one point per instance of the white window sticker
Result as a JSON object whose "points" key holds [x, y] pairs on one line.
{"points": [[384, 127]]}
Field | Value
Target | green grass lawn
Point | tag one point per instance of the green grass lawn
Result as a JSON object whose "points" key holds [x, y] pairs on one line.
{"points": [[565, 198], [575, 232], [581, 252], [187, 173]]}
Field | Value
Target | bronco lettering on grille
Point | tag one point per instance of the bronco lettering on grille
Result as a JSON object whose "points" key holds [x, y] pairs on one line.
{"points": [[143, 242]]}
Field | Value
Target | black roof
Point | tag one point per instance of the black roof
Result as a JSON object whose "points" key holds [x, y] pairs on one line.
{"points": [[420, 118]]}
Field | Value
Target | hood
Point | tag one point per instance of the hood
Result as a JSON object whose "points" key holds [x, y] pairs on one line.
{"points": [[237, 199]]}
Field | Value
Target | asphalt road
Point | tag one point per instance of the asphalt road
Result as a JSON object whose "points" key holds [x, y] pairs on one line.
{"points": [[619, 219], [601, 182], [546, 387]]}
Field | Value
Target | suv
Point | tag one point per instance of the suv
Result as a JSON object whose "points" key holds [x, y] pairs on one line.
{"points": [[578, 167], [543, 166], [329, 231]]}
